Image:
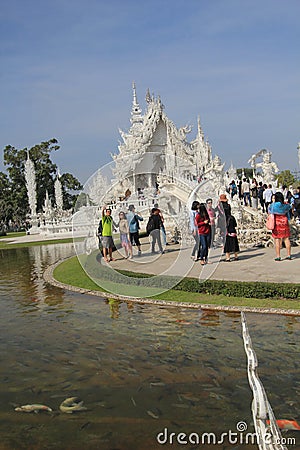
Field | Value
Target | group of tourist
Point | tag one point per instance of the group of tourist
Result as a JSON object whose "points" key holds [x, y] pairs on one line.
{"points": [[129, 225], [259, 195], [129, 232], [204, 219]]}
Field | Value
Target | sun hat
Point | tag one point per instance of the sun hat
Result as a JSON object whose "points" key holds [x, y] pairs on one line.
{"points": [[223, 198]]}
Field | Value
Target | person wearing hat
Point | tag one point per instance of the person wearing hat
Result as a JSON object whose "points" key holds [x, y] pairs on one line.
{"points": [[223, 202], [223, 198], [221, 209], [134, 226]]}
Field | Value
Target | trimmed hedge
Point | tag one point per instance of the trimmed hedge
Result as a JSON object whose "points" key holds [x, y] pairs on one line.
{"points": [[241, 288], [231, 288], [259, 290]]}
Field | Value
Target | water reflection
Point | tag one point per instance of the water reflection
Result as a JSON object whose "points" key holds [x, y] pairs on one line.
{"points": [[138, 368]]}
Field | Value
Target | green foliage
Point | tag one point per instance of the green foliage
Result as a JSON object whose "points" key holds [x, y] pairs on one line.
{"points": [[241, 289], [248, 172], [285, 178], [228, 288], [82, 200], [45, 171], [69, 183], [6, 204], [13, 194]]}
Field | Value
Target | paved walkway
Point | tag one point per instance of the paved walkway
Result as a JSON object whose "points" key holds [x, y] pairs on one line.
{"points": [[254, 264]]}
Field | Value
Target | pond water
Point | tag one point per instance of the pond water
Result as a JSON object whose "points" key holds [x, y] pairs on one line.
{"points": [[143, 371]]}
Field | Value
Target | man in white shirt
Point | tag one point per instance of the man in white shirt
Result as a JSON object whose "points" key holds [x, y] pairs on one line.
{"points": [[246, 192], [267, 196]]}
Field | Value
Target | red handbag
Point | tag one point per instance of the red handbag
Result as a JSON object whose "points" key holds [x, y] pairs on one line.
{"points": [[270, 223]]}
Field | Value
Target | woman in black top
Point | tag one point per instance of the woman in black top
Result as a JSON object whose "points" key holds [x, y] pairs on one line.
{"points": [[231, 241], [153, 227]]}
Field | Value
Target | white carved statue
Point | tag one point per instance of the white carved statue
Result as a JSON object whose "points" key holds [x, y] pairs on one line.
{"points": [[269, 168]]}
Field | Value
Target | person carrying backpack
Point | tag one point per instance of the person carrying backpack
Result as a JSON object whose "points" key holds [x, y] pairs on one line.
{"points": [[153, 229], [254, 193], [107, 231], [295, 203], [233, 189], [134, 220], [260, 195]]}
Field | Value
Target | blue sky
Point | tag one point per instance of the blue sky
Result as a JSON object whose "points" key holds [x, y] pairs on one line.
{"points": [[67, 68]]}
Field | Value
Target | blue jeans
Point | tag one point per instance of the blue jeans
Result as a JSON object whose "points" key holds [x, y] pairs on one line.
{"points": [[195, 251], [203, 246], [211, 236], [247, 198]]}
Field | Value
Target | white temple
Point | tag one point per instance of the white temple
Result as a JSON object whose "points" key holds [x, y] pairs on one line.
{"points": [[155, 163], [155, 156]]}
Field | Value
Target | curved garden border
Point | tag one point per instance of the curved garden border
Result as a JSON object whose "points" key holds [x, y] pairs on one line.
{"points": [[49, 278]]}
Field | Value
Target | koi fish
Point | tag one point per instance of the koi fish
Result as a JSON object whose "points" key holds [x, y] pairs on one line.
{"points": [[72, 404], [152, 414], [285, 424], [183, 322], [33, 408]]}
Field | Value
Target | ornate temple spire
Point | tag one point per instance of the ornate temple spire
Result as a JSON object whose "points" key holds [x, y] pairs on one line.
{"points": [[58, 192], [148, 96], [30, 180], [200, 134], [136, 117]]}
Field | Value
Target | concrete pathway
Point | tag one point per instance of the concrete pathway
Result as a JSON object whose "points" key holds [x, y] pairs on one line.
{"points": [[254, 264]]}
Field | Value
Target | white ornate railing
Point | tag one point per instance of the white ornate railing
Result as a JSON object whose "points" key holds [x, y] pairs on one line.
{"points": [[267, 432]]}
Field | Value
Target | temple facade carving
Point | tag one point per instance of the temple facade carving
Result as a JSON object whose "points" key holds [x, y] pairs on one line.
{"points": [[154, 149]]}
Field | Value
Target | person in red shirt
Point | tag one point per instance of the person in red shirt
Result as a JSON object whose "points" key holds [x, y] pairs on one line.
{"points": [[203, 223]]}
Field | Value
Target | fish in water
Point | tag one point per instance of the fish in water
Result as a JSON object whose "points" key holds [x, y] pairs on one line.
{"points": [[152, 414], [33, 408], [72, 404], [285, 424]]}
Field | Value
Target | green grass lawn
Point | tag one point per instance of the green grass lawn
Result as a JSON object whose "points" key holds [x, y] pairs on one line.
{"points": [[71, 272], [13, 234], [7, 245]]}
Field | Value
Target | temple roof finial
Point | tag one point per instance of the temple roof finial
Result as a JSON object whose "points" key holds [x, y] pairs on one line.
{"points": [[134, 94], [136, 117], [200, 131], [148, 96]]}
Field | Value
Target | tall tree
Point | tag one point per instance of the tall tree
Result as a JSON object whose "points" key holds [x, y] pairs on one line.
{"points": [[6, 206], [45, 171], [285, 178], [248, 172], [70, 185]]}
